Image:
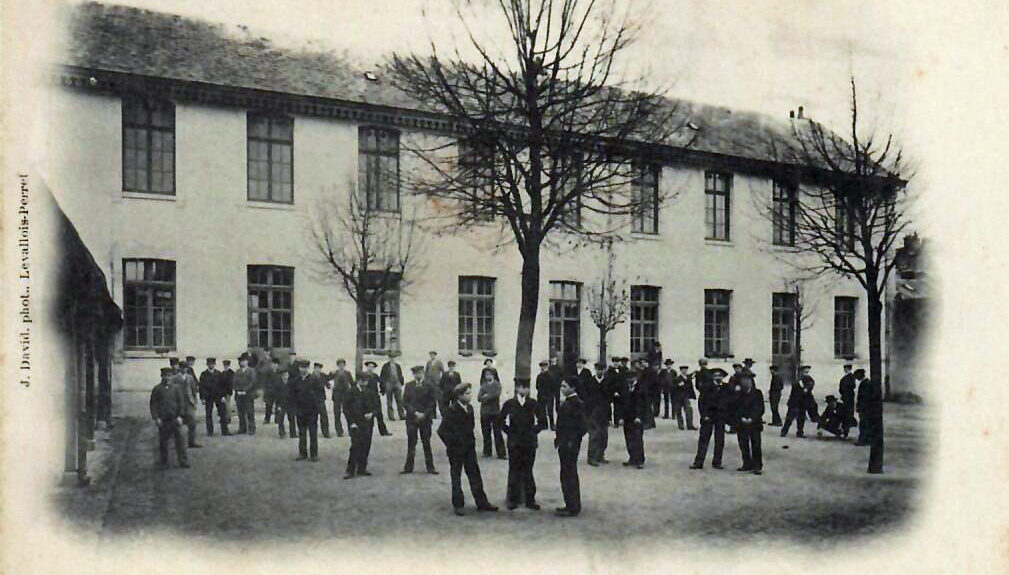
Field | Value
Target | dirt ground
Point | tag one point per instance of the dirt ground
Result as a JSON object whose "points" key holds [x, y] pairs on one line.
{"points": [[249, 488]]}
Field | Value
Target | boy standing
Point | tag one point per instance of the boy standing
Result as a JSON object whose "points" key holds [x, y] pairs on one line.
{"points": [[521, 421], [456, 432]]}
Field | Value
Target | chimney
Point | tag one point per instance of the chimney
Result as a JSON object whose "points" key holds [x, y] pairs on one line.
{"points": [[800, 113], [791, 114]]}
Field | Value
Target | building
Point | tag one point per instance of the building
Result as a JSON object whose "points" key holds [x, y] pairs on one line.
{"points": [[190, 156]]}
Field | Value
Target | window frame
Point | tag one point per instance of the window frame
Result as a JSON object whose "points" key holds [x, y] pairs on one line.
{"points": [[149, 106], [646, 178], [637, 302], [270, 288], [784, 207], [845, 334], [364, 173], [382, 317], [783, 303], [711, 225], [471, 299], [270, 141], [150, 286], [718, 308]]}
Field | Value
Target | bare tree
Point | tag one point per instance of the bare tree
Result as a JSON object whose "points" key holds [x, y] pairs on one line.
{"points": [[805, 311], [371, 255], [607, 300], [841, 205], [544, 132]]}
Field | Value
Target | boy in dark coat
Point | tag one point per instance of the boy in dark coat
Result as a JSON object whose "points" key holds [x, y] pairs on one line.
{"points": [[634, 412], [597, 408], [166, 409], [834, 419], [211, 395], [749, 406], [710, 404], [456, 432], [361, 406], [420, 399], [570, 430], [521, 421], [489, 397], [307, 393]]}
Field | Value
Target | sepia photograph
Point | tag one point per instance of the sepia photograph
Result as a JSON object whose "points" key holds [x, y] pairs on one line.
{"points": [[475, 286]]}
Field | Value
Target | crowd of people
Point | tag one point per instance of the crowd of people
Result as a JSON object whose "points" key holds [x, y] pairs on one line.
{"points": [[572, 403]]}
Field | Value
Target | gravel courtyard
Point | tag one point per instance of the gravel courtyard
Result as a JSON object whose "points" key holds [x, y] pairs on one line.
{"points": [[249, 488]]}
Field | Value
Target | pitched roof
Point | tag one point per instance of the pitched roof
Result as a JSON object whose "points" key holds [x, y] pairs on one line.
{"points": [[147, 43]]}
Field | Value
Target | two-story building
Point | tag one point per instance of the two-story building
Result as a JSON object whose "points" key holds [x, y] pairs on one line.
{"points": [[190, 157]]}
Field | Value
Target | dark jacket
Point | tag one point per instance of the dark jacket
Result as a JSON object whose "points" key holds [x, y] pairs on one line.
{"points": [[712, 400], [634, 402], [870, 399], [489, 397], [391, 376], [683, 388], [274, 383], [521, 423], [245, 380], [751, 406], [846, 388], [358, 402], [449, 381], [308, 393], [419, 397], [556, 375], [227, 381], [777, 384], [544, 384], [210, 385], [594, 395], [570, 422], [798, 397], [342, 382], [456, 430], [583, 381], [166, 401]]}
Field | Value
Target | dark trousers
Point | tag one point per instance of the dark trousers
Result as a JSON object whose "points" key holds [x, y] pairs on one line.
{"points": [[285, 411], [323, 418], [466, 462], [774, 398], [874, 432], [614, 413], [521, 484], [271, 403], [307, 422], [395, 394], [749, 447], [412, 431], [570, 488], [222, 413], [170, 430], [708, 426], [246, 413], [667, 402], [599, 433], [189, 419], [337, 421], [491, 425], [360, 447], [684, 413], [657, 404], [382, 429], [548, 407], [798, 415], [634, 436]]}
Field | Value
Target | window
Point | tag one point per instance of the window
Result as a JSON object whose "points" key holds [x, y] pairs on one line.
{"points": [[378, 168], [844, 224], [476, 314], [844, 326], [148, 146], [476, 168], [716, 208], [783, 324], [381, 327], [784, 201], [149, 304], [271, 306], [644, 318], [716, 322], [645, 201], [565, 322], [271, 158]]}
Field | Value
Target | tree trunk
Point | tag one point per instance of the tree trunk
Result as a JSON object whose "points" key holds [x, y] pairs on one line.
{"points": [[602, 344], [875, 310], [362, 322], [527, 315]]}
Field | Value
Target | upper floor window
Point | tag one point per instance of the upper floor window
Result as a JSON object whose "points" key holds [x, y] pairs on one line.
{"points": [[844, 326], [717, 187], [476, 175], [784, 204], [148, 146], [149, 304], [645, 201], [271, 158], [271, 307], [378, 167], [844, 224]]}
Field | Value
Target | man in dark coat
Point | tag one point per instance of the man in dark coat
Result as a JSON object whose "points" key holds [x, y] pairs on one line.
{"points": [[846, 389], [834, 419], [870, 410], [634, 410], [434, 370], [682, 394], [710, 404], [286, 408], [544, 393], [808, 383], [212, 397], [666, 376], [521, 420], [799, 400], [612, 382], [489, 397], [323, 379], [276, 389], [419, 403], [371, 383], [570, 430], [556, 375], [245, 388], [597, 407], [774, 395], [361, 406], [166, 408], [456, 432], [309, 393], [648, 379], [343, 380], [392, 386], [749, 424], [583, 378], [191, 392]]}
